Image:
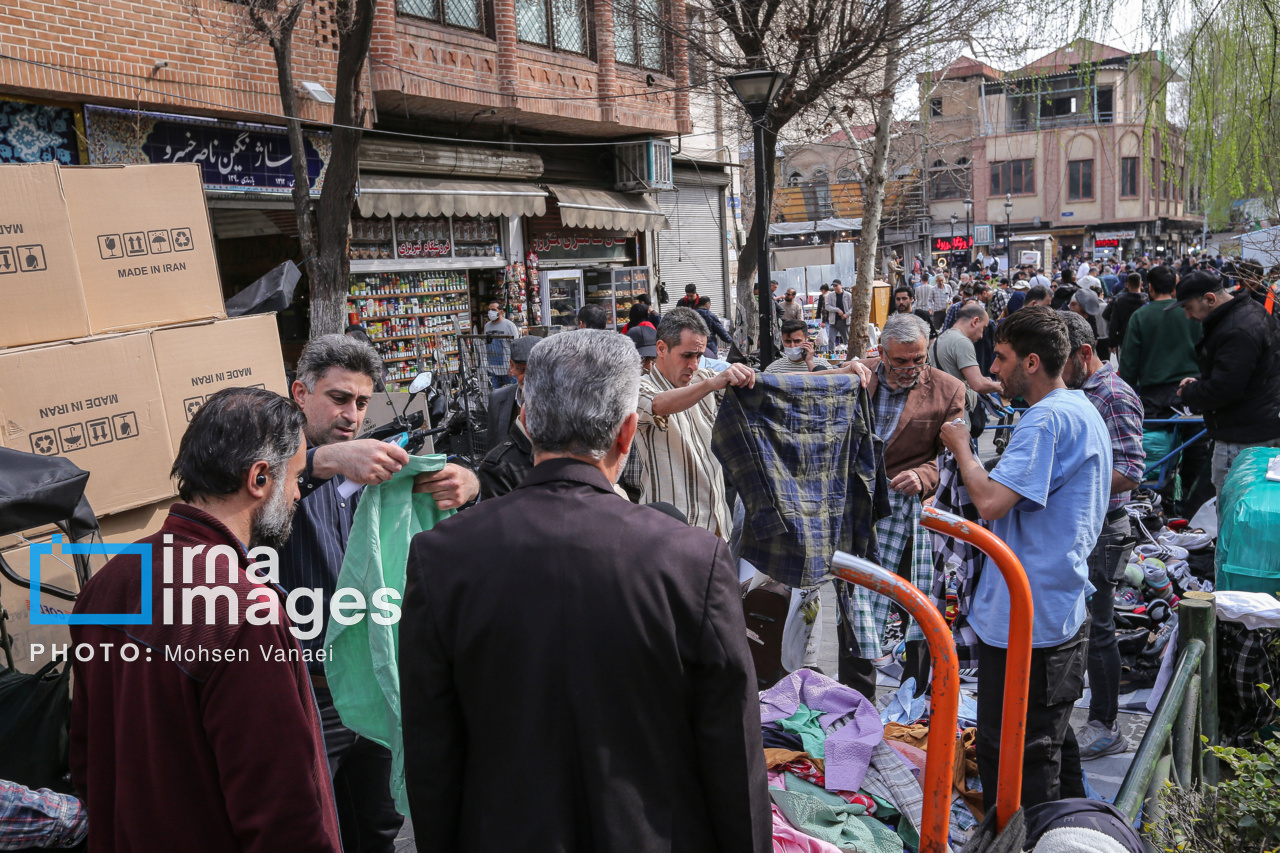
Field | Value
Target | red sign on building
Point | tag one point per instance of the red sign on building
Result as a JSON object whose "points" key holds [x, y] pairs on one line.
{"points": [[952, 244]]}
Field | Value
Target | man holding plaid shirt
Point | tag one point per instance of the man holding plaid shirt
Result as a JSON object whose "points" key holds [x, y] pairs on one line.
{"points": [[910, 402]]}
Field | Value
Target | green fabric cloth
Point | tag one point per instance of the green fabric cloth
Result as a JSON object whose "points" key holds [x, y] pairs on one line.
{"points": [[804, 722], [830, 818], [1159, 346], [363, 666]]}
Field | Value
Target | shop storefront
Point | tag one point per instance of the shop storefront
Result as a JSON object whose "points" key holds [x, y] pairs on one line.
{"points": [[427, 257], [589, 246]]}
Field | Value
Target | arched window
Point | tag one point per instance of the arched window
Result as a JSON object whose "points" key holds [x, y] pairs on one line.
{"points": [[793, 179], [963, 161], [820, 176], [939, 164], [844, 176]]}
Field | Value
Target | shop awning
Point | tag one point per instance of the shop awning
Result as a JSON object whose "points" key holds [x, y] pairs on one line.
{"points": [[608, 211], [401, 195], [784, 229]]}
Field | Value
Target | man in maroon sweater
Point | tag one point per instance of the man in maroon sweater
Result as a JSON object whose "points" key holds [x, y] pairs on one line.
{"points": [[202, 734]]}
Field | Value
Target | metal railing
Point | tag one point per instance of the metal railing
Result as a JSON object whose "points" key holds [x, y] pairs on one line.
{"points": [[1172, 750], [944, 702]]}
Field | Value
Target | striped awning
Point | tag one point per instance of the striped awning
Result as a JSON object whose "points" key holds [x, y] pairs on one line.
{"points": [[402, 195]]}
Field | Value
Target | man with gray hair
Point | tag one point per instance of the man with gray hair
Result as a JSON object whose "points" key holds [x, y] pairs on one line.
{"points": [[567, 635], [678, 405], [334, 383], [910, 401]]}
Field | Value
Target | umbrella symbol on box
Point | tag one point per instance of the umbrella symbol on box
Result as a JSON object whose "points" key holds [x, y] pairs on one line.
{"points": [[159, 241], [72, 436]]}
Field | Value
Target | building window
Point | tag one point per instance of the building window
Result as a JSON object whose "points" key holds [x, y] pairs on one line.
{"points": [[820, 176], [935, 107], [844, 176], [1013, 176], [948, 181], [1128, 177], [554, 24], [466, 14], [794, 179], [637, 34], [1079, 180], [1164, 179]]}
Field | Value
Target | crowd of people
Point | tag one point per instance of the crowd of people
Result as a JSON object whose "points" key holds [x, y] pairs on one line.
{"points": [[562, 641]]}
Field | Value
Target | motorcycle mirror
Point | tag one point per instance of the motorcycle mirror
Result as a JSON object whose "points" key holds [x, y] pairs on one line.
{"points": [[420, 383]]}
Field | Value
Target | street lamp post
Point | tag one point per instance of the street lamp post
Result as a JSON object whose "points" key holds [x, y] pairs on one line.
{"points": [[1008, 232], [968, 229], [953, 237], [757, 91]]}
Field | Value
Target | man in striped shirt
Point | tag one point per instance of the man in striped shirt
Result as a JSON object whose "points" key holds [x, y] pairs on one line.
{"points": [[678, 405]]}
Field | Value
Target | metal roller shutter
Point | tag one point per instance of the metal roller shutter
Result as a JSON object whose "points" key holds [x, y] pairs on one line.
{"points": [[691, 248]]}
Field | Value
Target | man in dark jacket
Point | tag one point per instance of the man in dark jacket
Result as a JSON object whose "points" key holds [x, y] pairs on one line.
{"points": [[1120, 309], [502, 402], [209, 740], [624, 690], [1239, 385], [713, 325]]}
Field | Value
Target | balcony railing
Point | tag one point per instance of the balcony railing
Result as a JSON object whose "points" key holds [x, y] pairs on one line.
{"points": [[1020, 125]]}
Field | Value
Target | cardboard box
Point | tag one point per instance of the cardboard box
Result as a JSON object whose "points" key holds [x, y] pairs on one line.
{"points": [[123, 528], [16, 600], [41, 298], [96, 401], [196, 361], [144, 245]]}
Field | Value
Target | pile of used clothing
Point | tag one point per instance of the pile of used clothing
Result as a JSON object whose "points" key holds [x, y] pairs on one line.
{"points": [[1171, 558], [841, 779]]}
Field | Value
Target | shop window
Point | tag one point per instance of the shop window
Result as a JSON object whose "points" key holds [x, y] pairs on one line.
{"points": [[1080, 180], [1128, 177], [464, 14], [638, 34], [554, 24], [1013, 176]]}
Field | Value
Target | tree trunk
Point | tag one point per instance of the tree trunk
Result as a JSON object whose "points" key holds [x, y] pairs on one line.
{"points": [[873, 207], [748, 258], [331, 267], [282, 47]]}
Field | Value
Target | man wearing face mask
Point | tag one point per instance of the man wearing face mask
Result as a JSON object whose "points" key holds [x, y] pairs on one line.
{"points": [[910, 401], [333, 386], [797, 351], [220, 747], [500, 349]]}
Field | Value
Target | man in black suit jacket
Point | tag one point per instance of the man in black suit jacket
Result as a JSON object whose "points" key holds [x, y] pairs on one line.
{"points": [[574, 668]]}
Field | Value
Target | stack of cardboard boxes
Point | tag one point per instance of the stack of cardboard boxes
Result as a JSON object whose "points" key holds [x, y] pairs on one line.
{"points": [[112, 334]]}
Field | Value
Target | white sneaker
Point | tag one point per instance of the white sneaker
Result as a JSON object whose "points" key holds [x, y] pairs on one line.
{"points": [[1188, 541], [1161, 551]]}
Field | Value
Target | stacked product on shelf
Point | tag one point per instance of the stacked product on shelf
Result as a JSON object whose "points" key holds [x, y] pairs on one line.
{"points": [[410, 316]]}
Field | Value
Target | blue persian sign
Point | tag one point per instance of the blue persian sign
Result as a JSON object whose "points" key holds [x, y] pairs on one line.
{"points": [[37, 133], [230, 155]]}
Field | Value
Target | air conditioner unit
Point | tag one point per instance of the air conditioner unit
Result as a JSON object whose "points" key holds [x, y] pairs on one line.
{"points": [[642, 166], [924, 227]]}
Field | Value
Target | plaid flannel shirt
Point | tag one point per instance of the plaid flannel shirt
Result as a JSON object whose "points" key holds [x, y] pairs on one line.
{"points": [[39, 819], [801, 451], [999, 299], [956, 560], [1122, 411]]}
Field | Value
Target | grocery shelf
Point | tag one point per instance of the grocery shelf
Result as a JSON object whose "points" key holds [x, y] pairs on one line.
{"points": [[398, 295], [401, 358]]}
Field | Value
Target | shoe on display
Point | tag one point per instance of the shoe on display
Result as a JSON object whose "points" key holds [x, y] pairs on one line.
{"points": [[1133, 575], [1180, 573], [1128, 599], [1187, 541], [1159, 639], [1161, 551], [1096, 740]]}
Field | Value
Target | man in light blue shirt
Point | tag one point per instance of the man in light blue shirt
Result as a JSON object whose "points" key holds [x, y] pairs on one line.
{"points": [[1047, 499]]}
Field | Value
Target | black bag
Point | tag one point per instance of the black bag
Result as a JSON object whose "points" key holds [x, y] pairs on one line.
{"points": [[765, 609], [35, 710]]}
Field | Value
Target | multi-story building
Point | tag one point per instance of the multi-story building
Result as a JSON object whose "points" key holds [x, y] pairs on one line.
{"points": [[509, 138], [1069, 156]]}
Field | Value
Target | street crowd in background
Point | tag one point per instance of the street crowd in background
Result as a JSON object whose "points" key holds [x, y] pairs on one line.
{"points": [[574, 664]]}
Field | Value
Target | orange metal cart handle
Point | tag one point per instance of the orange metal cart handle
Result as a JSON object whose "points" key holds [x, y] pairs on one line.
{"points": [[1017, 673], [944, 707]]}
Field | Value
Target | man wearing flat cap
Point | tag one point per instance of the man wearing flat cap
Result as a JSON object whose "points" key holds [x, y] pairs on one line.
{"points": [[510, 454], [503, 409]]}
